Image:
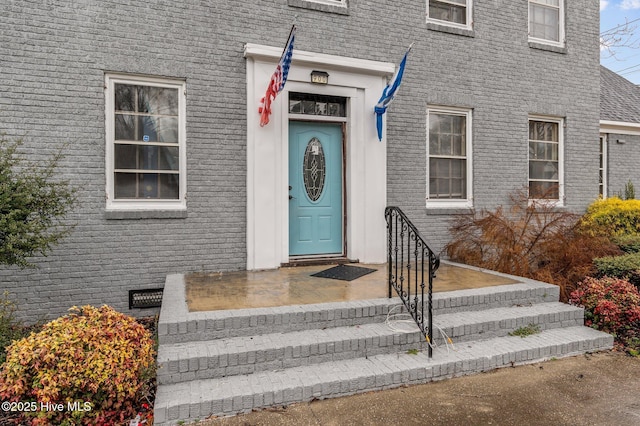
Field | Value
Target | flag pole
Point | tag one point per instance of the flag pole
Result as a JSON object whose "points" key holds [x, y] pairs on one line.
{"points": [[278, 79]]}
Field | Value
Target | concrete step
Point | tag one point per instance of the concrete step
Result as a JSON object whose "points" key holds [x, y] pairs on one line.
{"points": [[199, 399], [178, 325], [244, 355]]}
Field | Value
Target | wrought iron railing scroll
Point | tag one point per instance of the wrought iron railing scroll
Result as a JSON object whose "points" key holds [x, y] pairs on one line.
{"points": [[411, 269]]}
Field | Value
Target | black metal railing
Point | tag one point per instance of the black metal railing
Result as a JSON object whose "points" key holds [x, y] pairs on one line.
{"points": [[412, 267]]}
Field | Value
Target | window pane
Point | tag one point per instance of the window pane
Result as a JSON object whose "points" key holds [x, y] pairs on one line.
{"points": [[125, 127], [544, 22], [125, 185], [169, 186], [126, 157], [543, 151], [147, 186], [448, 12], [547, 170], [447, 178], [543, 190], [447, 134], [137, 157], [158, 129], [124, 97], [157, 100], [146, 129]]}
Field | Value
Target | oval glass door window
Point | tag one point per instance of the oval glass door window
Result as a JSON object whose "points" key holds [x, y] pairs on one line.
{"points": [[314, 169]]}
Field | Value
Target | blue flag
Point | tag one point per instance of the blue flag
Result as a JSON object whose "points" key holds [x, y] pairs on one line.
{"points": [[388, 93]]}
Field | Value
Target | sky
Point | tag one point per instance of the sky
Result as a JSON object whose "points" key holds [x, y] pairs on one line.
{"points": [[620, 37]]}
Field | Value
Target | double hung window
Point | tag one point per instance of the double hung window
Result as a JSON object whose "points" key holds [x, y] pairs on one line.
{"points": [[449, 157], [145, 127], [546, 21], [455, 13], [545, 159]]}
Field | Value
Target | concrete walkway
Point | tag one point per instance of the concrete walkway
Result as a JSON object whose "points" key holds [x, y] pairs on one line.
{"points": [[600, 389]]}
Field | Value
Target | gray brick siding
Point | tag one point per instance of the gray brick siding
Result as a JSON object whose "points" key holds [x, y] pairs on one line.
{"points": [[55, 55], [622, 163]]}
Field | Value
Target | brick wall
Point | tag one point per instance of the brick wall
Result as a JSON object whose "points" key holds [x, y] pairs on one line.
{"points": [[55, 55], [622, 163]]}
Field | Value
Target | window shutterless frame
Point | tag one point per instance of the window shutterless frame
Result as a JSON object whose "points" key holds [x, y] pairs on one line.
{"points": [[145, 151], [454, 13], [449, 158], [546, 159], [546, 22]]}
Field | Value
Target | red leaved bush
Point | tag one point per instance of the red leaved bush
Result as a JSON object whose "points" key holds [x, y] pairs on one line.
{"points": [[611, 305], [532, 239], [93, 364]]}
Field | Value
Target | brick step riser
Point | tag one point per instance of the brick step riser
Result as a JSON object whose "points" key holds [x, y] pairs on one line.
{"points": [[226, 324], [337, 386], [247, 362]]}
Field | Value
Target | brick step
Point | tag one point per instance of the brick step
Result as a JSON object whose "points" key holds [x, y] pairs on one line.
{"points": [[178, 325], [244, 355], [199, 399]]}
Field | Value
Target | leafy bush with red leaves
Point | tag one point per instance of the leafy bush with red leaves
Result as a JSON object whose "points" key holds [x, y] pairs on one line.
{"points": [[611, 305], [529, 238], [96, 359]]}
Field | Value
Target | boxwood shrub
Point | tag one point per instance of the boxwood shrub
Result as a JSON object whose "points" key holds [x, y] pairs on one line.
{"points": [[626, 267]]}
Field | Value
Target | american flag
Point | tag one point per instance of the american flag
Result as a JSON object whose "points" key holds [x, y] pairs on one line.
{"points": [[389, 92], [278, 79]]}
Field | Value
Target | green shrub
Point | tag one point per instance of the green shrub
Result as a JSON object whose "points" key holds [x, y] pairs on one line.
{"points": [[626, 267], [611, 305], [613, 217], [33, 204], [8, 326], [93, 355], [628, 243]]}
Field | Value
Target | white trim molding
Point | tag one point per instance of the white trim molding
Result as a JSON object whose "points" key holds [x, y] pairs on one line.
{"points": [[447, 203], [144, 204], [619, 127], [361, 82]]}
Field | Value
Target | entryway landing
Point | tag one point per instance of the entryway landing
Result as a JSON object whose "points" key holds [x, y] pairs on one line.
{"points": [[297, 286]]}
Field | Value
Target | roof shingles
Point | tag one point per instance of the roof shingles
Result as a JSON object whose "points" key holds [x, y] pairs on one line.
{"points": [[619, 98]]}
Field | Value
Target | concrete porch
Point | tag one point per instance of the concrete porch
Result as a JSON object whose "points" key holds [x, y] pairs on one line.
{"points": [[297, 286], [228, 361]]}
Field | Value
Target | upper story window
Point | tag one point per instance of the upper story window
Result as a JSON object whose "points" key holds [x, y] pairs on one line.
{"points": [[145, 152], [546, 180], [455, 13], [449, 161], [546, 21], [332, 6]]}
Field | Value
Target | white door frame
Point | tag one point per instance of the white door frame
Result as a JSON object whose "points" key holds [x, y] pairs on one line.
{"points": [[360, 81]]}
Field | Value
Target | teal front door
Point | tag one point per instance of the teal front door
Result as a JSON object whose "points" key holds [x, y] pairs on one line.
{"points": [[315, 188]]}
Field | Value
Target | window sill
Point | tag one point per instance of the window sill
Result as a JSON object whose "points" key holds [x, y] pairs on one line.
{"points": [[322, 7], [144, 214], [443, 28], [449, 208], [547, 47]]}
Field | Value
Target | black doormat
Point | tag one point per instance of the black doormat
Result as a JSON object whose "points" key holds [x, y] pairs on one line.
{"points": [[343, 272]]}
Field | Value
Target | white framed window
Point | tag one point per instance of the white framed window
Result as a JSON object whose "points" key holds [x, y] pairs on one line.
{"points": [[602, 183], [455, 13], [546, 21], [449, 164], [333, 6], [145, 143], [546, 168]]}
